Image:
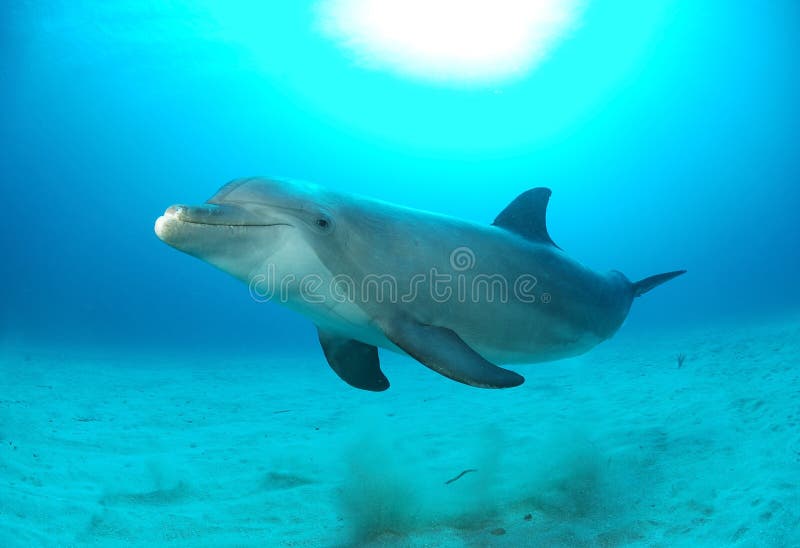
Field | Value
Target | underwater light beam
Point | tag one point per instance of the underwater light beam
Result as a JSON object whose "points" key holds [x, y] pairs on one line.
{"points": [[462, 41]]}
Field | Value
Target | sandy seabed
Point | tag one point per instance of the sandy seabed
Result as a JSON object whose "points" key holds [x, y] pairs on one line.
{"points": [[620, 447]]}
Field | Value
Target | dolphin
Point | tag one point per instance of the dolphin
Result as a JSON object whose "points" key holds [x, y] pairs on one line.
{"points": [[457, 296]]}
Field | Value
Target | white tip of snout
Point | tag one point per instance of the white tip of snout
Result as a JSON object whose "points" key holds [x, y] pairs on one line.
{"points": [[165, 223], [160, 227]]}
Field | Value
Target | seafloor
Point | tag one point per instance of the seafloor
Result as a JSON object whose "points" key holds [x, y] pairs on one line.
{"points": [[620, 447]]}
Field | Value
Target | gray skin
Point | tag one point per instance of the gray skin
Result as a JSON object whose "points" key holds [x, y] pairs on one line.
{"points": [[371, 274]]}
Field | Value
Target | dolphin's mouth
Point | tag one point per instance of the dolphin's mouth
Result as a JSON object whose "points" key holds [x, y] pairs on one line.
{"points": [[216, 215], [171, 227]]}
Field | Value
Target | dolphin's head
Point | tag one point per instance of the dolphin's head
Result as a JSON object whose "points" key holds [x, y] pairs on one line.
{"points": [[249, 222]]}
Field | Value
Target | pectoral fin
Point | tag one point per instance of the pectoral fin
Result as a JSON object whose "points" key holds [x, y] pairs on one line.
{"points": [[445, 352], [356, 363]]}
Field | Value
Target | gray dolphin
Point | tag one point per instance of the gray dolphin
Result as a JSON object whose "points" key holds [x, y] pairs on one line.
{"points": [[458, 297]]}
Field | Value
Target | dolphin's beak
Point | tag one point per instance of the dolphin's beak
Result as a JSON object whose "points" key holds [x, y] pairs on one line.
{"points": [[178, 218]]}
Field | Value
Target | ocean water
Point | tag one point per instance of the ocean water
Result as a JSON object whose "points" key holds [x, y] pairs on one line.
{"points": [[146, 398]]}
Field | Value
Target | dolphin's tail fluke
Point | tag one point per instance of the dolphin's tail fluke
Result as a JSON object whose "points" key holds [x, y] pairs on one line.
{"points": [[643, 286]]}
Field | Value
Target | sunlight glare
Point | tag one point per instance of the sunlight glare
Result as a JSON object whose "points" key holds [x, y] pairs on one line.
{"points": [[468, 41]]}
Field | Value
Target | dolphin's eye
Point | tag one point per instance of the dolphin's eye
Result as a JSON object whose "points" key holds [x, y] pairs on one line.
{"points": [[323, 223]]}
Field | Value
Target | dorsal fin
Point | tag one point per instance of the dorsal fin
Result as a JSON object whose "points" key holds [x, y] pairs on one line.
{"points": [[527, 216]]}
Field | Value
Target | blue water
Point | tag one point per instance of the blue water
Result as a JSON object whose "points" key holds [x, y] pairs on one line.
{"points": [[667, 133], [673, 148]]}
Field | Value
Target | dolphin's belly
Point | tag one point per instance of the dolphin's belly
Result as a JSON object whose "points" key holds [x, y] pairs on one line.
{"points": [[497, 335], [541, 338], [543, 351], [553, 343]]}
